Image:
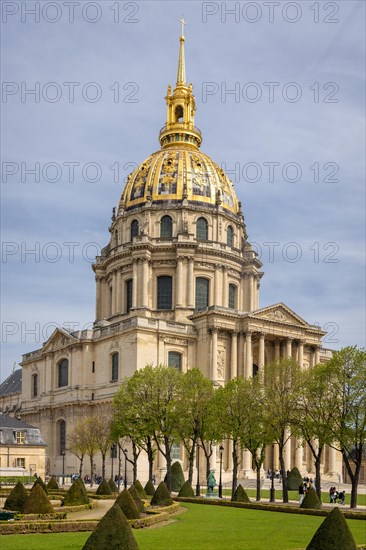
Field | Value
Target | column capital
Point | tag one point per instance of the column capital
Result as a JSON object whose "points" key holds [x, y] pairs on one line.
{"points": [[214, 330], [248, 334]]}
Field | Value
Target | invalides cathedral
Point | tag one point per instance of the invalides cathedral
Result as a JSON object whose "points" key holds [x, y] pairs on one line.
{"points": [[177, 284]]}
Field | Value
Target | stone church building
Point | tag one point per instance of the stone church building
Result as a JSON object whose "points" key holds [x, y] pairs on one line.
{"points": [[177, 284]]}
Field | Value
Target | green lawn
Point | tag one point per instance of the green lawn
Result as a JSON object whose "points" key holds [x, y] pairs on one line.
{"points": [[294, 495], [205, 528]]}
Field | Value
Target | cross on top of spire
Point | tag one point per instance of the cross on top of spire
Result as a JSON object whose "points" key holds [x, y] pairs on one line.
{"points": [[184, 22]]}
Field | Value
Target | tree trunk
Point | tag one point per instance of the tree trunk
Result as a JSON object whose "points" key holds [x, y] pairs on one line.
{"points": [[191, 456], [354, 476], [135, 454], [283, 474], [208, 457], [81, 466], [317, 474], [91, 470], [168, 458], [258, 471], [150, 457], [103, 466], [235, 468]]}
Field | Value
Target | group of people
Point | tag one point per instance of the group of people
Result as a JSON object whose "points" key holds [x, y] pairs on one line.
{"points": [[304, 487], [335, 495]]}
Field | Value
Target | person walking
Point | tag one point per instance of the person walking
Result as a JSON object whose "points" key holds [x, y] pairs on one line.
{"points": [[301, 492]]}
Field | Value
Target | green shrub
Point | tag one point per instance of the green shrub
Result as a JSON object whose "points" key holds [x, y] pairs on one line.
{"points": [[112, 532], [40, 482], [136, 497], [37, 502], [240, 495], [76, 495], [104, 488], [149, 488], [113, 486], [127, 505], [52, 485], [139, 488], [178, 477], [186, 490], [311, 500], [161, 496], [16, 498], [294, 479], [333, 533]]}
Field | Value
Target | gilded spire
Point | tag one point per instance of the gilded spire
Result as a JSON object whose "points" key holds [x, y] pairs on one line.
{"points": [[181, 76]]}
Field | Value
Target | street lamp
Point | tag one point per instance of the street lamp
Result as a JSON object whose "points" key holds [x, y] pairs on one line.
{"points": [[273, 491], [63, 452], [125, 476], [119, 466], [113, 455], [198, 488], [221, 449]]}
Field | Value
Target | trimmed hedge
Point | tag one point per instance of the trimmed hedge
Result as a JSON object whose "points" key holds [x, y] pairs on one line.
{"points": [[136, 497], [128, 505], [178, 477], [39, 481], [139, 488], [76, 495], [186, 490], [162, 496], [311, 500], [112, 532], [240, 495], [333, 533], [113, 486], [104, 488], [17, 498], [37, 502], [294, 479], [149, 488], [52, 485]]}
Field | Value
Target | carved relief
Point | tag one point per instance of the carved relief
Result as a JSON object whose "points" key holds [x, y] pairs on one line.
{"points": [[168, 174], [221, 363]]}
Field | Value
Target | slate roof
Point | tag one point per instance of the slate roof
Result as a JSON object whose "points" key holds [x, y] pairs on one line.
{"points": [[9, 426], [11, 422], [12, 384]]}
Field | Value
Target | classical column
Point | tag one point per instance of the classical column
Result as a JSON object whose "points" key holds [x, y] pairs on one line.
{"points": [[317, 355], [213, 458], [234, 355], [251, 297], [145, 266], [248, 355], [247, 463], [98, 299], [299, 455], [287, 450], [301, 353], [289, 347], [217, 301], [261, 351], [119, 292], [332, 460], [190, 278], [277, 350], [241, 354], [179, 289], [134, 282], [224, 288], [114, 293], [214, 332]]}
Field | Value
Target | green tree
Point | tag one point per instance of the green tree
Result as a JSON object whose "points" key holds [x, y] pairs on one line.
{"points": [[281, 393], [317, 407], [77, 444], [102, 420], [348, 383]]}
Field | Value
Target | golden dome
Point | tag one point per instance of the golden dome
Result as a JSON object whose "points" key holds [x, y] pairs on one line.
{"points": [[177, 173]]}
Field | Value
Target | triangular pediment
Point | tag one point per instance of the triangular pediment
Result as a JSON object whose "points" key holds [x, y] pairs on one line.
{"points": [[279, 313], [58, 340]]}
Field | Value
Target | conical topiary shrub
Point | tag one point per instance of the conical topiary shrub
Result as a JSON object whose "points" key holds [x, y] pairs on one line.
{"points": [[37, 502], [177, 476], [52, 485], [16, 498], [139, 488], [240, 495], [294, 479], [113, 486], [162, 496], [311, 500], [127, 505], [136, 497], [76, 495], [149, 488], [104, 488], [186, 490], [112, 532], [333, 533], [40, 482]]}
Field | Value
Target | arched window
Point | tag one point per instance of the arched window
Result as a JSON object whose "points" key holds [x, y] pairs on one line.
{"points": [[114, 369], [166, 227], [232, 296], [202, 230], [230, 236], [62, 436], [165, 292], [129, 287], [63, 373], [202, 292], [34, 385], [179, 113], [134, 229], [175, 360]]}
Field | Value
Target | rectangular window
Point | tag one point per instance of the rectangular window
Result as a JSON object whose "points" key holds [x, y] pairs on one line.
{"points": [[35, 385], [93, 366], [128, 295], [165, 292], [175, 452], [175, 360], [232, 296], [20, 437], [114, 377], [202, 293], [20, 462]]}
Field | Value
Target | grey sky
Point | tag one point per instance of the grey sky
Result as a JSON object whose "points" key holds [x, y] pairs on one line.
{"points": [[318, 137]]}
